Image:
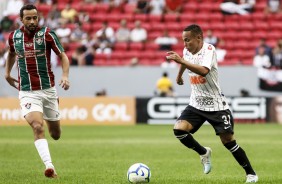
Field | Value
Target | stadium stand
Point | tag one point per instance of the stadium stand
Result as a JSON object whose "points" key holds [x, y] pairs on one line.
{"points": [[241, 34]]}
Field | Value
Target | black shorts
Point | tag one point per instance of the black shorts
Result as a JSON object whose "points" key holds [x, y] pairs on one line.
{"points": [[222, 121]]}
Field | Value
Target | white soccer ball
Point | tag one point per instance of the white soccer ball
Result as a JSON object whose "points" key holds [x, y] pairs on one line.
{"points": [[139, 173]]}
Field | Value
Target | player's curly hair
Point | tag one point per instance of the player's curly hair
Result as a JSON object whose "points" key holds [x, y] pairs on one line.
{"points": [[195, 29], [27, 7]]}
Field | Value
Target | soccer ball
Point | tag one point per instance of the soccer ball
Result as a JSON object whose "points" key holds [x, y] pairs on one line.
{"points": [[139, 173]]}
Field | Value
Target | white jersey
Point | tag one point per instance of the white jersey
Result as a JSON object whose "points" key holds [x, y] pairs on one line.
{"points": [[206, 94]]}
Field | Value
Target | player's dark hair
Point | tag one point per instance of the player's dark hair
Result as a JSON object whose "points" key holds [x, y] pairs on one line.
{"points": [[27, 7], [195, 29]]}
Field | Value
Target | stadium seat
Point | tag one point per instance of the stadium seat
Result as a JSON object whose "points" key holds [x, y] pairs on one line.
{"points": [[102, 8], [121, 46], [151, 46], [170, 18], [136, 46], [141, 17], [155, 18]]}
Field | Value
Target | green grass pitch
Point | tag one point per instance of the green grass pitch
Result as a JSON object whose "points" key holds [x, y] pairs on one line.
{"points": [[102, 155]]}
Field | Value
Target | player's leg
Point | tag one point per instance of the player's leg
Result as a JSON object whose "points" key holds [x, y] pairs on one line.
{"points": [[52, 117], [240, 155], [35, 120], [189, 122], [223, 123], [54, 129], [182, 130]]}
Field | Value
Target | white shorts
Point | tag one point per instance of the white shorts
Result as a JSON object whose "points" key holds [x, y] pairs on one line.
{"points": [[44, 101]]}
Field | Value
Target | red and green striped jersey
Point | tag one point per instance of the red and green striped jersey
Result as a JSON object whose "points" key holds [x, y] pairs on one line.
{"points": [[33, 56]]}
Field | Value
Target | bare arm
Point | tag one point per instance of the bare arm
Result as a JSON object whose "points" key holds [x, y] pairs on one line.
{"points": [[198, 69], [9, 65], [65, 75]]}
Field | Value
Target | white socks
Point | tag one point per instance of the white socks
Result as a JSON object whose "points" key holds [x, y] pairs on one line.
{"points": [[44, 153]]}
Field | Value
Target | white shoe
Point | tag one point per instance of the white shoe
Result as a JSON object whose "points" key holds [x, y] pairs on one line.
{"points": [[251, 178], [206, 160]]}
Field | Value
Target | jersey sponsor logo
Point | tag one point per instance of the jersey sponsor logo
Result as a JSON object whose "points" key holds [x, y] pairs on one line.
{"points": [[205, 101], [197, 80]]}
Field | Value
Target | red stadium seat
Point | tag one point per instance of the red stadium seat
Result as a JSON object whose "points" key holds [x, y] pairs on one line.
{"points": [[151, 46], [102, 8], [155, 18], [136, 46], [121, 46], [171, 17], [141, 17]]}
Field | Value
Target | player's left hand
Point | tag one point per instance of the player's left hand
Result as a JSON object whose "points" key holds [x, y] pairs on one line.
{"points": [[65, 83], [174, 56]]}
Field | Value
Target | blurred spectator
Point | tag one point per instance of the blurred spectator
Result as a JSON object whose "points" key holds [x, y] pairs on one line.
{"points": [[80, 57], [103, 92], [164, 86], [241, 7], [157, 7], [210, 38], [277, 54], [220, 52], [6, 24], [244, 93], [78, 35], [134, 61], [267, 49], [142, 6], [173, 6], [117, 5], [63, 32], [13, 7], [123, 32], [108, 31], [273, 6], [69, 14], [103, 44], [138, 33], [261, 60], [166, 41]]}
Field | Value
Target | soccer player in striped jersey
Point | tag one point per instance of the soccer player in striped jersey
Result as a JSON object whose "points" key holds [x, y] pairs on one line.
{"points": [[31, 46], [207, 102]]}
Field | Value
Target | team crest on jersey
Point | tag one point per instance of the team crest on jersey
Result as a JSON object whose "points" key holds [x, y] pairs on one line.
{"points": [[18, 35], [28, 105], [210, 47], [40, 33], [39, 41]]}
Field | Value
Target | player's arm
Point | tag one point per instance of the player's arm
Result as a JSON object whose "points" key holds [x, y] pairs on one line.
{"points": [[65, 67], [9, 65], [198, 69]]}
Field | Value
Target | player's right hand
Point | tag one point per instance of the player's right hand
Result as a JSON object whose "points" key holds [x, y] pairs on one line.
{"points": [[12, 81], [179, 81]]}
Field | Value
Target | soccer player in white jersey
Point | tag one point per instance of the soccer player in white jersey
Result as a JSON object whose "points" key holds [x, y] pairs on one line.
{"points": [[31, 46], [207, 102]]}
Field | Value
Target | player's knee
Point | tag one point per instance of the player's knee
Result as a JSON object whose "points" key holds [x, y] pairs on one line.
{"points": [[38, 128], [180, 134]]}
